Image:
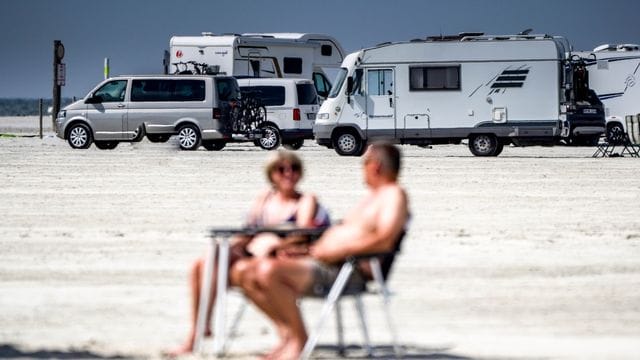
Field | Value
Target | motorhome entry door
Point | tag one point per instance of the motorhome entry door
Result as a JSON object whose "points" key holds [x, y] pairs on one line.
{"points": [[381, 102]]}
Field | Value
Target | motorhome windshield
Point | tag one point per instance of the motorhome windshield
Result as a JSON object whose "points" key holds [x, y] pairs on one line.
{"points": [[337, 85]]}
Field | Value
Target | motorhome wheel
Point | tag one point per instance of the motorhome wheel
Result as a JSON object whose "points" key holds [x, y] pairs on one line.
{"points": [[106, 145], [483, 145], [270, 139], [79, 136], [348, 144], [189, 137]]}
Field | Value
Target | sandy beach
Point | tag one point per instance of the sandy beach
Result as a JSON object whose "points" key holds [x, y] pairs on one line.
{"points": [[534, 254]]}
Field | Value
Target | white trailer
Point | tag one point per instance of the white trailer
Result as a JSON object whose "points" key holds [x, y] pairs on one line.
{"points": [[613, 75], [267, 55], [492, 90]]}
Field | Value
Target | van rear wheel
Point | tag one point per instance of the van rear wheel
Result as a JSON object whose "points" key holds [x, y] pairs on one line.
{"points": [[484, 145], [348, 143], [270, 139], [189, 137]]}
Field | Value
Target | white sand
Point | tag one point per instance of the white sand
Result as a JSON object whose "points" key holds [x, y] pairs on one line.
{"points": [[533, 254]]}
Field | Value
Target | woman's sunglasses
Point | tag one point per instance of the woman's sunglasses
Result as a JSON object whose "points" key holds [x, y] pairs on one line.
{"points": [[282, 169]]}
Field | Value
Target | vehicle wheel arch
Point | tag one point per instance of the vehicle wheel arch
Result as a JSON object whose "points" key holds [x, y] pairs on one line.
{"points": [[74, 122]]}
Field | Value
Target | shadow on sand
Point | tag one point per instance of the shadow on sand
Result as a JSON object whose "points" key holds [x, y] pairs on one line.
{"points": [[8, 351], [351, 351]]}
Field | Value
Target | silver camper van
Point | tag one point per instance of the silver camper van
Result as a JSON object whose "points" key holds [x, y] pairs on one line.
{"points": [[126, 108]]}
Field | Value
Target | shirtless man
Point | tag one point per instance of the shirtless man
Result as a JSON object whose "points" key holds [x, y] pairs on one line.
{"points": [[373, 226]]}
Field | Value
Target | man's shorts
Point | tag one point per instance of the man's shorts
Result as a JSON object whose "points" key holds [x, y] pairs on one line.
{"points": [[325, 275]]}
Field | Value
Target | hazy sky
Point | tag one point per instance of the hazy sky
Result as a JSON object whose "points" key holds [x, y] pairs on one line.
{"points": [[134, 33]]}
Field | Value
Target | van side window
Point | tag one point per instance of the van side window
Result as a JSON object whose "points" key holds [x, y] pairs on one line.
{"points": [[434, 78], [292, 65], [268, 95], [113, 91], [154, 90]]}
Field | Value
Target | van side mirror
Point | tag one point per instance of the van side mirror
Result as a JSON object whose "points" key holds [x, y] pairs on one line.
{"points": [[349, 89], [94, 99]]}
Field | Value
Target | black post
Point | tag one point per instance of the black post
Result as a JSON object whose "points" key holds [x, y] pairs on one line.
{"points": [[58, 54], [40, 107]]}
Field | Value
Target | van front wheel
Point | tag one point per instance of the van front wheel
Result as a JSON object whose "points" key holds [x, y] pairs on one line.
{"points": [[189, 137], [348, 143], [79, 136], [483, 145]]}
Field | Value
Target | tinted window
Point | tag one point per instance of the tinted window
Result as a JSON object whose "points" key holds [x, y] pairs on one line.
{"points": [[435, 78], [227, 89], [326, 50], [293, 65], [113, 91], [167, 90], [307, 94], [337, 85], [268, 95]]}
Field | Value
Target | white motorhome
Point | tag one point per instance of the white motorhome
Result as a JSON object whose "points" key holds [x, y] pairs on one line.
{"points": [[492, 90], [268, 55], [613, 75]]}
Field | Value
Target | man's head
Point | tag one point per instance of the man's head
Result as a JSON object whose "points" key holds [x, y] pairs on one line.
{"points": [[381, 163]]}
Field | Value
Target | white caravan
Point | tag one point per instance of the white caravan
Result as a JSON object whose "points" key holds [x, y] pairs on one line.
{"points": [[268, 55], [613, 75], [492, 90]]}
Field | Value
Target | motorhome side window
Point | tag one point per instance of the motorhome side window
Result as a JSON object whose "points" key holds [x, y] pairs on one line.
{"points": [[153, 90], [113, 91], [292, 65], [268, 95], [380, 82], [434, 78]]}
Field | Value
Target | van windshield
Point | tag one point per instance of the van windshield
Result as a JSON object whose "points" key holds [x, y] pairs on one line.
{"points": [[337, 85]]}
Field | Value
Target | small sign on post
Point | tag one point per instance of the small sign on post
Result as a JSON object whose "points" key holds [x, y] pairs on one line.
{"points": [[61, 74]]}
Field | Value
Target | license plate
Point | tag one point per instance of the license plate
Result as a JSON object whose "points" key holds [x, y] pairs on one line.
{"points": [[311, 116]]}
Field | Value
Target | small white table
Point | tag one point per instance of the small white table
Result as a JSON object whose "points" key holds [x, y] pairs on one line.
{"points": [[219, 247]]}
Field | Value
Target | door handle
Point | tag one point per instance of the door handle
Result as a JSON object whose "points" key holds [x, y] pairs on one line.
{"points": [[390, 102], [121, 106]]}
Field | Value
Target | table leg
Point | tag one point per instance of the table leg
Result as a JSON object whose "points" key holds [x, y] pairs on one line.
{"points": [[220, 338]]}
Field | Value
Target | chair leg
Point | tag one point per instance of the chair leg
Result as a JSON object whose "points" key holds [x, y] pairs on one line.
{"points": [[340, 329], [363, 325], [233, 330], [334, 294], [386, 298]]}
